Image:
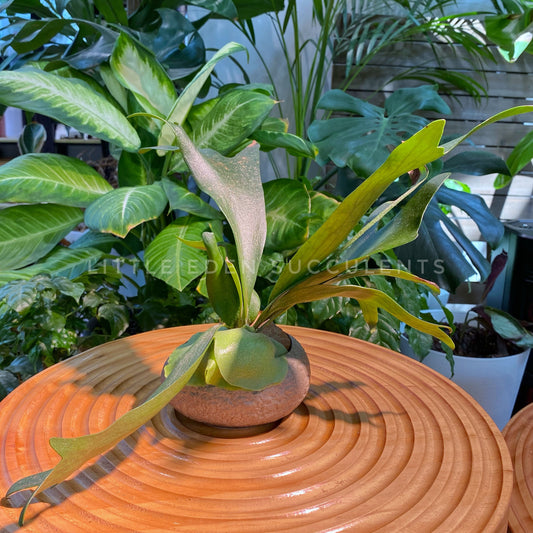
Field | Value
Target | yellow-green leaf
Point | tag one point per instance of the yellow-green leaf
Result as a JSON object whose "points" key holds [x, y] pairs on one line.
{"points": [[76, 451]]}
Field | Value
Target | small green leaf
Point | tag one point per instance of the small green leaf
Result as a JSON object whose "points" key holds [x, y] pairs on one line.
{"points": [[50, 178], [122, 209], [248, 359], [170, 259], [32, 138], [182, 199], [509, 328], [29, 232], [140, 72], [117, 317]]}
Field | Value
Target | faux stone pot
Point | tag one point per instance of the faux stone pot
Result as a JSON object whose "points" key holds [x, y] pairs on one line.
{"points": [[244, 408]]}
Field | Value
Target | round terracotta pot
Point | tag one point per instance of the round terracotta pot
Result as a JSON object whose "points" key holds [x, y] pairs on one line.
{"points": [[244, 408]]}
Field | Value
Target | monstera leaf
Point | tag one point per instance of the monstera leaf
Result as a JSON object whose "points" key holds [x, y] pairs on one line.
{"points": [[361, 142], [442, 252]]}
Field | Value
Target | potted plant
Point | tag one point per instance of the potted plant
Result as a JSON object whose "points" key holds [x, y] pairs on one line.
{"points": [[490, 355], [236, 353]]}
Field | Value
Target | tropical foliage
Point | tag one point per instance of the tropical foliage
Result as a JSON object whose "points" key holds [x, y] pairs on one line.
{"points": [[221, 355], [359, 141], [44, 320]]}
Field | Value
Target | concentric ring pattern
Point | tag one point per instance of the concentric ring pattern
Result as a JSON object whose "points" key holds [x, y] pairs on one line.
{"points": [[519, 437], [380, 444]]}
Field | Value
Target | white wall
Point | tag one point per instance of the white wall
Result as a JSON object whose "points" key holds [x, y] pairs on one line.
{"points": [[216, 33]]}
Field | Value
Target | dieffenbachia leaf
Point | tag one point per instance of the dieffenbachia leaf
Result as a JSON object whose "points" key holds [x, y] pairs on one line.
{"points": [[68, 101], [186, 99], [369, 300], [50, 178], [140, 72], [235, 185], [122, 209], [417, 151], [235, 116], [169, 258], [65, 262], [29, 232], [182, 199], [288, 210], [76, 451]]}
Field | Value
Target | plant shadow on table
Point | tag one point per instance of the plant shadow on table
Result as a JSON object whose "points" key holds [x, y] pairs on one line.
{"points": [[354, 416], [166, 425]]}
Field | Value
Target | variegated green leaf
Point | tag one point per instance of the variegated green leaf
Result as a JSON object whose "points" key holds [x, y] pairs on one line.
{"points": [[50, 178], [139, 71], [169, 258], [182, 199], [122, 209], [288, 207], [183, 104], [68, 101], [29, 232], [230, 123], [234, 117], [67, 262]]}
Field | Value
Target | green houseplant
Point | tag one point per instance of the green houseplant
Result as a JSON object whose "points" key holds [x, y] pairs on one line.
{"points": [[308, 276], [150, 198], [491, 351], [313, 273]]}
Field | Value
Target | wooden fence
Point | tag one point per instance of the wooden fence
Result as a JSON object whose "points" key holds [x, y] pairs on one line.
{"points": [[508, 85]]}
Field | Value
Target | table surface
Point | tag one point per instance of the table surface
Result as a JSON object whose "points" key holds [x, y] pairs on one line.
{"points": [[381, 443], [518, 434]]}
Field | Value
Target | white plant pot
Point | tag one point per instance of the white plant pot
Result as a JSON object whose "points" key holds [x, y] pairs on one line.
{"points": [[492, 382]]}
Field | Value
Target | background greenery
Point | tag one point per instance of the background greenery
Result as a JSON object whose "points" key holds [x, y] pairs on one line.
{"points": [[136, 65]]}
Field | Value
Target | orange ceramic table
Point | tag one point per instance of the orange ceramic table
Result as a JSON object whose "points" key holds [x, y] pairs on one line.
{"points": [[519, 437], [381, 443]]}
